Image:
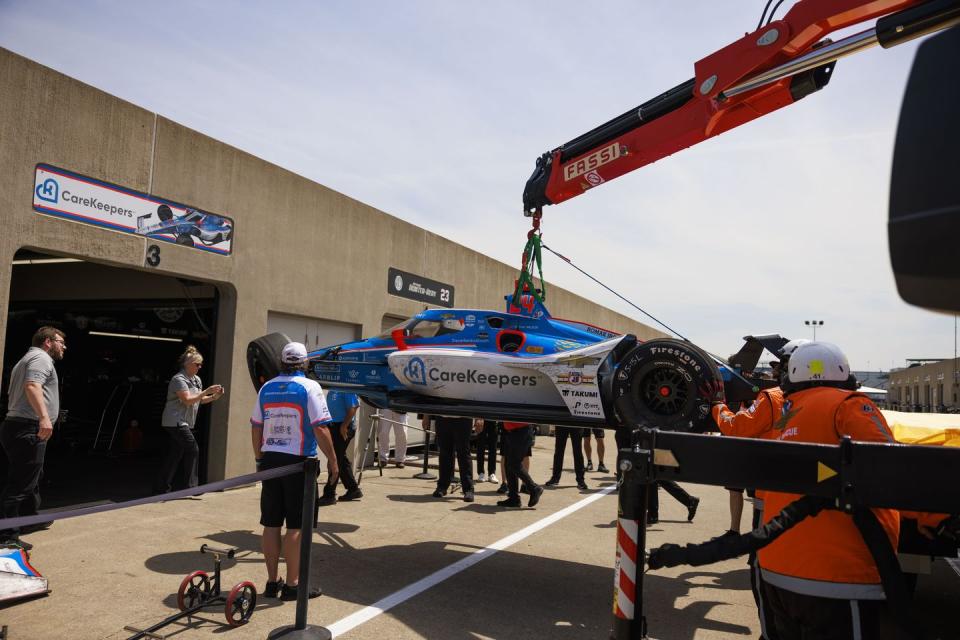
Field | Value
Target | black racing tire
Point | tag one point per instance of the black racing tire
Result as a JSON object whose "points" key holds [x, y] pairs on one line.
{"points": [[263, 357], [185, 239], [164, 213], [658, 384]]}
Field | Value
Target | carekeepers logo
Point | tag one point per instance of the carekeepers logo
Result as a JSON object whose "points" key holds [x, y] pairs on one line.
{"points": [[49, 190], [416, 371]]}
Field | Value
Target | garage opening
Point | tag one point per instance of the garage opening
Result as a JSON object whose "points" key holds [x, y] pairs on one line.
{"points": [[125, 330]]}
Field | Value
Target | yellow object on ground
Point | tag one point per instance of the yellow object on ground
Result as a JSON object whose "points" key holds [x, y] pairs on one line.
{"points": [[941, 429]]}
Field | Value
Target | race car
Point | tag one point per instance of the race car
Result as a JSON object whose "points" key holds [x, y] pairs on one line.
{"points": [[210, 229], [521, 364]]}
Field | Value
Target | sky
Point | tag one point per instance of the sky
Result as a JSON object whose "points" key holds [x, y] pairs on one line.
{"points": [[435, 112]]}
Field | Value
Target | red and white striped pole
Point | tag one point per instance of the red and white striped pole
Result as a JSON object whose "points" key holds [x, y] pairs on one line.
{"points": [[629, 622]]}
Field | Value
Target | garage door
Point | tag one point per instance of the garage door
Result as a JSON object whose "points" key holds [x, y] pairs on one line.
{"points": [[312, 332]]}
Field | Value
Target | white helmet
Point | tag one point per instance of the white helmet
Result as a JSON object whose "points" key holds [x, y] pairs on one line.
{"points": [[453, 324], [787, 350], [818, 362]]}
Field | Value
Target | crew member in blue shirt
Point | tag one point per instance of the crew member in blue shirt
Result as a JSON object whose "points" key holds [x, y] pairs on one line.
{"points": [[343, 408], [287, 427]]}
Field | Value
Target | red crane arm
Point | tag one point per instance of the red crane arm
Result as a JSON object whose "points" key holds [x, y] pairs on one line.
{"points": [[761, 72]]}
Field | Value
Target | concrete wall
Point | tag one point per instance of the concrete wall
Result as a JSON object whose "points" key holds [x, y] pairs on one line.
{"points": [[299, 247]]}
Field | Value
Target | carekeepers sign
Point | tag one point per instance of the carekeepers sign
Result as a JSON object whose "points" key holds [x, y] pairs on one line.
{"points": [[69, 195]]}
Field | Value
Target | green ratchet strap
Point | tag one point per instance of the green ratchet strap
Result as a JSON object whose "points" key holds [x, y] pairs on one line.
{"points": [[531, 257]]}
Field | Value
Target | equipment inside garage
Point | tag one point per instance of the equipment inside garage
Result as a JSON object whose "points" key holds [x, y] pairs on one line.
{"points": [[125, 330]]}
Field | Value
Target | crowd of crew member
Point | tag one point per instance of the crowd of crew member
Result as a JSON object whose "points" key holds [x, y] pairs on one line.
{"points": [[817, 580]]}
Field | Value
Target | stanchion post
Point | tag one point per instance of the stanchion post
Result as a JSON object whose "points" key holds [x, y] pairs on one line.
{"points": [[635, 466], [300, 629], [425, 474]]}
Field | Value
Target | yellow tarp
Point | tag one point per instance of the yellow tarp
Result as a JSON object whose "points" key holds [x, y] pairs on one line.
{"points": [[941, 429]]}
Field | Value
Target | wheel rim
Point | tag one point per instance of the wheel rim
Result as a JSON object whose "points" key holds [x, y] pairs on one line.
{"points": [[664, 390], [241, 603], [194, 589]]}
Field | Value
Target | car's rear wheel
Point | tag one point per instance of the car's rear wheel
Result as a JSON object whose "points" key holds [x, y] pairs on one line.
{"points": [[263, 357], [658, 384]]}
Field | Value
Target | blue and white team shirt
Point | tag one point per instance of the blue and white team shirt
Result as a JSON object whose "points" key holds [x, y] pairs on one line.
{"points": [[288, 407]]}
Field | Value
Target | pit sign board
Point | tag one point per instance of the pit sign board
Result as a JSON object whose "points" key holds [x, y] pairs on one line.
{"points": [[414, 287], [65, 194]]}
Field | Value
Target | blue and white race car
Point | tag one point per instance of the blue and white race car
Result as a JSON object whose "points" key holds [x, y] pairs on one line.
{"points": [[521, 365]]}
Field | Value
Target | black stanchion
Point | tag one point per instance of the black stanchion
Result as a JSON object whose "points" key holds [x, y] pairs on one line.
{"points": [[425, 474], [301, 629]]}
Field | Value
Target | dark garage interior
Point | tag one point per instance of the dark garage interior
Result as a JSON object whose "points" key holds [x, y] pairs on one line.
{"points": [[125, 330]]}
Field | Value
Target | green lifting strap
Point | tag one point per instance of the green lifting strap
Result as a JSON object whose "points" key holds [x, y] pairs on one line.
{"points": [[531, 257]]}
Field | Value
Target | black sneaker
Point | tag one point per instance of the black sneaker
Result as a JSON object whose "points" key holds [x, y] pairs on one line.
{"points": [[692, 509], [503, 489], [288, 593], [552, 482], [509, 502], [535, 492], [589, 465], [273, 588], [17, 542], [582, 485], [39, 526], [353, 494], [468, 496], [652, 520], [727, 534], [439, 493], [327, 500], [602, 468], [525, 489]]}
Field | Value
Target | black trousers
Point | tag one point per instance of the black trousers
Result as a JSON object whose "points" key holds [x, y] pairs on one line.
{"points": [[453, 439], [802, 617], [182, 453], [25, 452], [340, 448], [560, 446], [487, 446], [671, 487], [518, 442]]}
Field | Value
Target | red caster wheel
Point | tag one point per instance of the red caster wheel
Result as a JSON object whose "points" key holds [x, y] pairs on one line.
{"points": [[194, 590], [240, 603]]}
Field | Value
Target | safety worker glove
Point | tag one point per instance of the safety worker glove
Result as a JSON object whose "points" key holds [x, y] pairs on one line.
{"points": [[712, 391]]}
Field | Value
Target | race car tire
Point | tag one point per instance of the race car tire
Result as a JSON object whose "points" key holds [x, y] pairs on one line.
{"points": [[263, 357], [164, 213], [658, 384], [185, 239]]}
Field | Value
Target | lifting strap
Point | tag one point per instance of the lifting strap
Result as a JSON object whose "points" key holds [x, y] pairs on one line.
{"points": [[531, 258]]}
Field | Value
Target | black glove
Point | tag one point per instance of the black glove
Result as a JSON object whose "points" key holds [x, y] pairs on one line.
{"points": [[712, 391], [668, 555]]}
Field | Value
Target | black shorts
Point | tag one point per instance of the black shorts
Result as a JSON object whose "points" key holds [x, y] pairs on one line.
{"points": [[281, 498]]}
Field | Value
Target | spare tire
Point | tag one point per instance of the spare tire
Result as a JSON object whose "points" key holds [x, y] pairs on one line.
{"points": [[658, 384], [263, 357]]}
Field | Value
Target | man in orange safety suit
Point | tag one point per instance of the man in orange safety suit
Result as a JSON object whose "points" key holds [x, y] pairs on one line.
{"points": [[756, 420], [821, 579]]}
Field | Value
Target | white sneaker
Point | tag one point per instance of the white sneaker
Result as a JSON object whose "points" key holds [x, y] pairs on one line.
{"points": [[481, 477], [493, 478]]}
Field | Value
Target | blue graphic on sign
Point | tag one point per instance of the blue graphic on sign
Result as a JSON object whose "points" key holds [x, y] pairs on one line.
{"points": [[49, 190], [416, 371]]}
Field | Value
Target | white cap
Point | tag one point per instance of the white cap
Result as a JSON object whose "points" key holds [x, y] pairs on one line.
{"points": [[294, 353]]}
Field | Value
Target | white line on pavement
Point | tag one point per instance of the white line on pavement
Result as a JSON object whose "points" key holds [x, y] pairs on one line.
{"points": [[398, 597]]}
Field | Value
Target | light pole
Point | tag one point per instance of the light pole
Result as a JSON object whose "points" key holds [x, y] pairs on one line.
{"points": [[814, 324]]}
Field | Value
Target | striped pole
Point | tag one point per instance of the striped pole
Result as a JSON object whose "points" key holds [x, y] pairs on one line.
{"points": [[629, 622]]}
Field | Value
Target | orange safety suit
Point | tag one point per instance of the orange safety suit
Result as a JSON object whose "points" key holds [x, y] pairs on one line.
{"points": [[826, 556], [755, 421]]}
